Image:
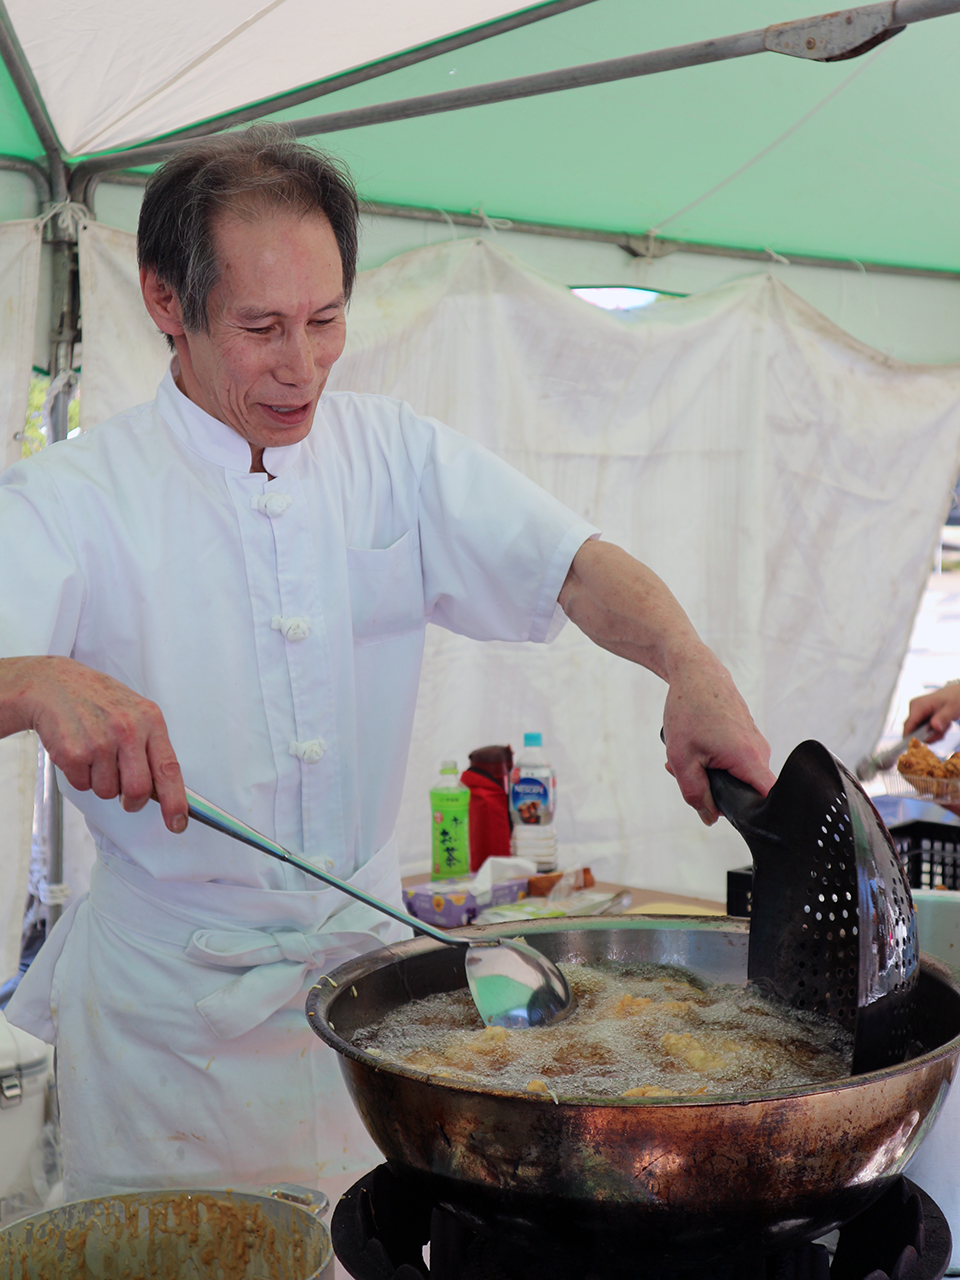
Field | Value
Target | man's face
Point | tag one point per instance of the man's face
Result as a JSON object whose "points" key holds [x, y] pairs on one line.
{"points": [[276, 327]]}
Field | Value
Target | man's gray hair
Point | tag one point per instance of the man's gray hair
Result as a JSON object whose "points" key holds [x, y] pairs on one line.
{"points": [[262, 167]]}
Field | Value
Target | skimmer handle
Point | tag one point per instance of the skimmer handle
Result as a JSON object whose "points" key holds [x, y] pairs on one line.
{"points": [[737, 801]]}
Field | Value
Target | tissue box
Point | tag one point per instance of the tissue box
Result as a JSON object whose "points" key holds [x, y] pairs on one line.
{"points": [[451, 903]]}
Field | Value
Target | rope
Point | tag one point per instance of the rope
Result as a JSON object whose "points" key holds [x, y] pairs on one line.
{"points": [[70, 216], [53, 895], [491, 224]]}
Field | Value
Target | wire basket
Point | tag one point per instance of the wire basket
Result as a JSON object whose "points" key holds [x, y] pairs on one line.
{"points": [[914, 787]]}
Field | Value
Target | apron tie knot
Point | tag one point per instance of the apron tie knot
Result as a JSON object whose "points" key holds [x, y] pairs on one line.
{"points": [[293, 946], [277, 962]]}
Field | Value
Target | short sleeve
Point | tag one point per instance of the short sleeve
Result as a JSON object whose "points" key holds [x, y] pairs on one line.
{"points": [[41, 585], [495, 547]]}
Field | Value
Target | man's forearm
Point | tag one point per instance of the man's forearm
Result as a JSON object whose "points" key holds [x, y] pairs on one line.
{"points": [[17, 690], [624, 607]]}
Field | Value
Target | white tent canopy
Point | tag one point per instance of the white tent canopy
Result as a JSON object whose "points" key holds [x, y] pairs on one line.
{"points": [[145, 78]]}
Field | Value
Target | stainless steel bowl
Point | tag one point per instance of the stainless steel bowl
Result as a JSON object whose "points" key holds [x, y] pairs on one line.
{"points": [[187, 1233]]}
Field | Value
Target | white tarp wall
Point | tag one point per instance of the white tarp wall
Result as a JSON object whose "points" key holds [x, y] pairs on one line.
{"points": [[786, 481], [19, 279], [19, 284], [910, 317], [124, 356]]}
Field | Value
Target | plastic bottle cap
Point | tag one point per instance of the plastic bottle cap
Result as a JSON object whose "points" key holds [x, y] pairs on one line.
{"points": [[448, 766], [533, 739]]}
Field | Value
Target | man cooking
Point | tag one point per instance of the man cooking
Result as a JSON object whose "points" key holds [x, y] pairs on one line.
{"points": [[234, 580]]}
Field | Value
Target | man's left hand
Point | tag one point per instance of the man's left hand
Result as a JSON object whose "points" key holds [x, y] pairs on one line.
{"points": [[706, 724]]}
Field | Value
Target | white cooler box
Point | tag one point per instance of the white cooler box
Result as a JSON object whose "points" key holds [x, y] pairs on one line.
{"points": [[25, 1069]]}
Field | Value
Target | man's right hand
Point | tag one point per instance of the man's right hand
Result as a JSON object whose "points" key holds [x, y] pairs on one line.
{"points": [[104, 737]]}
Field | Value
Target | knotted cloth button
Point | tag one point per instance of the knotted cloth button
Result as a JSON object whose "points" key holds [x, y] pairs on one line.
{"points": [[292, 628], [271, 504], [309, 752]]}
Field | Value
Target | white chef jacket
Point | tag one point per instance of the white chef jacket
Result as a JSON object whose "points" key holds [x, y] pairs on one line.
{"points": [[279, 624]]}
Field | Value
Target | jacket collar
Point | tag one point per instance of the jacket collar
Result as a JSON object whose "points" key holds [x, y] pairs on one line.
{"points": [[211, 438]]}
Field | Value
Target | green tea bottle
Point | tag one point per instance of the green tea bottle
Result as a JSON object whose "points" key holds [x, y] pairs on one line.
{"points": [[450, 825]]}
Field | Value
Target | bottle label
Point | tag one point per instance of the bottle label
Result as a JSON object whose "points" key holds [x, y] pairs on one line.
{"points": [[530, 800]]}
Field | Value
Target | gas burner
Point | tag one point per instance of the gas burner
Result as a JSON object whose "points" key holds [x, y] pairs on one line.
{"points": [[381, 1225]]}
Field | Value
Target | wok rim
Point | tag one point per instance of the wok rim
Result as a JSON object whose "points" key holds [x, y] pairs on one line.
{"points": [[328, 989]]}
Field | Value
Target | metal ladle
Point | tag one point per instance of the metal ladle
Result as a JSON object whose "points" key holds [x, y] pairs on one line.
{"points": [[512, 984]]}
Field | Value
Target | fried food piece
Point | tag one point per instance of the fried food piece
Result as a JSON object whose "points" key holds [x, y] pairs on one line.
{"points": [[696, 1055], [647, 1091], [679, 1008], [490, 1039], [581, 1053], [433, 1064], [919, 761], [541, 1086], [477, 1051], [465, 1054], [629, 1006]]}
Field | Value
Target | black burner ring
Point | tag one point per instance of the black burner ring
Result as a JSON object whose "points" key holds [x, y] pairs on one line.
{"points": [[381, 1225]]}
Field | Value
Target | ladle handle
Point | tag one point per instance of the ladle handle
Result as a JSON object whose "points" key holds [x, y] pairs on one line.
{"points": [[212, 816], [737, 801]]}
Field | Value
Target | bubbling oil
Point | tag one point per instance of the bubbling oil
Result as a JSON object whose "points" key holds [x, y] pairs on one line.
{"points": [[638, 1031]]}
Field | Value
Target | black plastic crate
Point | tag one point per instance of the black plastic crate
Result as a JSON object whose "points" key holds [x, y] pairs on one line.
{"points": [[930, 853]]}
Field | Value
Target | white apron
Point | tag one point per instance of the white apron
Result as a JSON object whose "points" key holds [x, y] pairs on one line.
{"points": [[185, 1054]]}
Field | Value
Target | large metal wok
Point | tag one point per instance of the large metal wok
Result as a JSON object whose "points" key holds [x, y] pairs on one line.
{"points": [[691, 1178]]}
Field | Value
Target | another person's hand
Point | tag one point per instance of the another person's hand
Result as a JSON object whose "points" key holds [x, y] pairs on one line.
{"points": [[941, 708], [104, 737], [706, 724]]}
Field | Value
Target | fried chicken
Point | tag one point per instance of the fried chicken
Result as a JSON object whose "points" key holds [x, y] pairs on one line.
{"points": [[928, 774], [918, 761]]}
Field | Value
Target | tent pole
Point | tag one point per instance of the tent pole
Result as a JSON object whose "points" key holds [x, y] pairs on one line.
{"points": [[17, 164], [65, 312], [636, 246], [826, 38], [26, 86], [308, 93]]}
